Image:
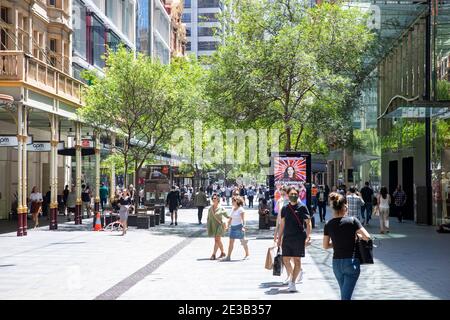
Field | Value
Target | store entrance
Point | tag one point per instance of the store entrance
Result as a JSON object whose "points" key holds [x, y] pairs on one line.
{"points": [[408, 186], [393, 182]]}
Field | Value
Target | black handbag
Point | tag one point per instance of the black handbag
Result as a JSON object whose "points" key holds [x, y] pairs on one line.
{"points": [[364, 251], [277, 263]]}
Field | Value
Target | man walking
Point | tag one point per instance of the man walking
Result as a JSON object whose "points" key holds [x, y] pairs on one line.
{"points": [[173, 201], [86, 198], [103, 195], [400, 201], [322, 203], [354, 202], [251, 196], [200, 201], [366, 209], [228, 194]]}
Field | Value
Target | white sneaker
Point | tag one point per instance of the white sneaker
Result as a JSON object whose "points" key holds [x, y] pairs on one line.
{"points": [[287, 281], [300, 277], [292, 287]]}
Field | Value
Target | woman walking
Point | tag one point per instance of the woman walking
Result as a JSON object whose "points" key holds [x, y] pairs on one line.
{"points": [[236, 224], [71, 202], [125, 203], [36, 205], [216, 227], [294, 238], [383, 202], [340, 234]]}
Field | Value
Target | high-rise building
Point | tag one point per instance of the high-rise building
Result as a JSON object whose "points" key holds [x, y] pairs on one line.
{"points": [[201, 17], [153, 29], [98, 24]]}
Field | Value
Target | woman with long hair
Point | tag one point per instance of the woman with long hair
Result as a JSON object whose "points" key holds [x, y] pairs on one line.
{"points": [[36, 205], [216, 226], [236, 224], [383, 202], [125, 203], [340, 234]]}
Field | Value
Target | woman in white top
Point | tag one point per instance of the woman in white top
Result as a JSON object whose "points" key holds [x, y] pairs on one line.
{"points": [[36, 205], [383, 202], [236, 223]]}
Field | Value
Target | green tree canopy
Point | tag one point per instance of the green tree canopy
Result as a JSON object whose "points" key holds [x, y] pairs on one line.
{"points": [[283, 64]]}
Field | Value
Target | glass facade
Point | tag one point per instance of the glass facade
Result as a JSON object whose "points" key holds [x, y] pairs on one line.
{"points": [[98, 42], [208, 17], [209, 3], [204, 31], [143, 26], [440, 127], [186, 18], [207, 45], [79, 28]]}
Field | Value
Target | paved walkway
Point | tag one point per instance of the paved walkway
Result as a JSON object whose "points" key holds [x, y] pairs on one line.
{"points": [[165, 262]]}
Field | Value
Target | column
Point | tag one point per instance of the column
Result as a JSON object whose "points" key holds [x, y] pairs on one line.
{"points": [[22, 209], [112, 188], [78, 171], [54, 127], [97, 173]]}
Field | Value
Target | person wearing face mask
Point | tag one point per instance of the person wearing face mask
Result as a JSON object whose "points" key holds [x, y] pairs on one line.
{"points": [[294, 238]]}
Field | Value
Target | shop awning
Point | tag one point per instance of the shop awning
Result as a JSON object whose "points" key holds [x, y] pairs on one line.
{"points": [[72, 152], [417, 109]]}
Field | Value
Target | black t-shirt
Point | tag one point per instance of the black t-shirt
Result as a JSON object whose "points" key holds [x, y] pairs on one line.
{"points": [[367, 194], [85, 196], [342, 232], [292, 227]]}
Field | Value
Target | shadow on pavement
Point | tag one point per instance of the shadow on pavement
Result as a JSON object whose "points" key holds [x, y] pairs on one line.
{"points": [[275, 291], [272, 284]]}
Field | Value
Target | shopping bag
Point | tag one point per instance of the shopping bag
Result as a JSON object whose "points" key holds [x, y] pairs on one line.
{"points": [[277, 263], [269, 261]]}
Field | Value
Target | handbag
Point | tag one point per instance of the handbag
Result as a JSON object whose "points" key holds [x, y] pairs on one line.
{"points": [[277, 263], [364, 251]]}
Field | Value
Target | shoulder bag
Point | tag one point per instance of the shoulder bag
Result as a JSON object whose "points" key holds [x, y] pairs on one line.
{"points": [[364, 250]]}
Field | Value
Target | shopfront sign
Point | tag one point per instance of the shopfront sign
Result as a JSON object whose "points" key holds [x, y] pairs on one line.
{"points": [[43, 146], [12, 141]]}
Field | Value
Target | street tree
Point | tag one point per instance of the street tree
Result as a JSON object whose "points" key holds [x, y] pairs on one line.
{"points": [[283, 64], [143, 102]]}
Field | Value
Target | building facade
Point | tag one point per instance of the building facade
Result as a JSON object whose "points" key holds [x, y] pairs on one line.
{"points": [[178, 29], [201, 19], [153, 29], [98, 24]]}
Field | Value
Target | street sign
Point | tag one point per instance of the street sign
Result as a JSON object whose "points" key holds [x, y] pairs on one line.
{"points": [[11, 141]]}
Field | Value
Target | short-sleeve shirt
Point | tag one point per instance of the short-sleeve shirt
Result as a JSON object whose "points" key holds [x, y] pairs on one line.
{"points": [[292, 227], [342, 232], [236, 218]]}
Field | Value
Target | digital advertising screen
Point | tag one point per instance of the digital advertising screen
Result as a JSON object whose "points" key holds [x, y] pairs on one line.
{"points": [[291, 168]]}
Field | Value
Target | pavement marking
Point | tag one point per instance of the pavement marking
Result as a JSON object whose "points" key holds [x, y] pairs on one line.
{"points": [[126, 284]]}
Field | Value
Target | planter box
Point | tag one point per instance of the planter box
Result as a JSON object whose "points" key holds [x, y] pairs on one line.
{"points": [[143, 222], [151, 219], [132, 220]]}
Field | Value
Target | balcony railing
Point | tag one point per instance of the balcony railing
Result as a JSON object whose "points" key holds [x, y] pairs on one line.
{"points": [[16, 66]]}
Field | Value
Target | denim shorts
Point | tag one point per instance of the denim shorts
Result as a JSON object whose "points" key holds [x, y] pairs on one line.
{"points": [[236, 232]]}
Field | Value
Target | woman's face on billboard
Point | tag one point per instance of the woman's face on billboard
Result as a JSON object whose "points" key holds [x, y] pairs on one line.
{"points": [[290, 172]]}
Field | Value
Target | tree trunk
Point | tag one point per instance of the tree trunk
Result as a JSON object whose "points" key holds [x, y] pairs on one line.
{"points": [[287, 147], [137, 168]]}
